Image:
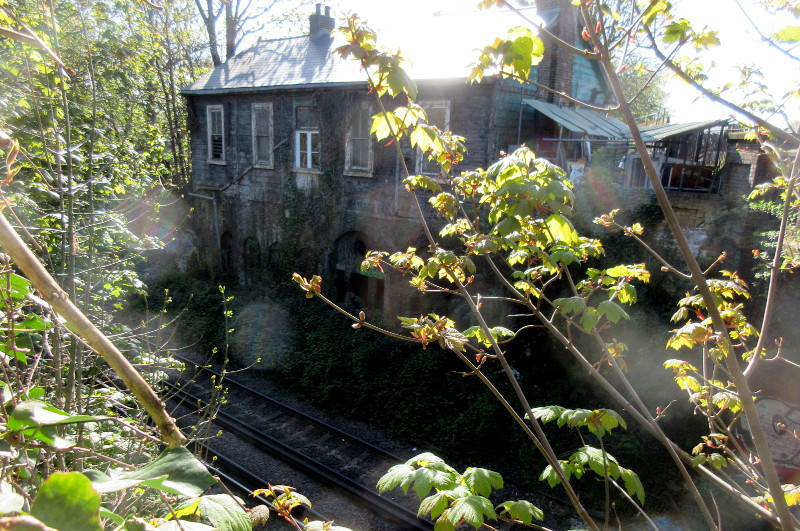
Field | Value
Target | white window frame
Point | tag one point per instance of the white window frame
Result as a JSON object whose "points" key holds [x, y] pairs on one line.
{"points": [[268, 160], [422, 158], [348, 164], [211, 110], [304, 160]]}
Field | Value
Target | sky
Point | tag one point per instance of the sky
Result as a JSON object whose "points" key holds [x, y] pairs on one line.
{"points": [[409, 19]]}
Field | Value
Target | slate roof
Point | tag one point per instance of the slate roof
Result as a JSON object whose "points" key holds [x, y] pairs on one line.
{"points": [[300, 62], [281, 63]]}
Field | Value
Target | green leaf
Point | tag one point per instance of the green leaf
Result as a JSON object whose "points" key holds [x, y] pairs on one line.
{"points": [[114, 517], [220, 509], [547, 414], [570, 305], [400, 82], [425, 479], [612, 311], [472, 510], [67, 501], [589, 319], [176, 471], [384, 125], [627, 294], [18, 287], [718, 461], [395, 477], [37, 419], [36, 413], [434, 504], [562, 230], [443, 524], [482, 481], [632, 483], [521, 510], [424, 137]]}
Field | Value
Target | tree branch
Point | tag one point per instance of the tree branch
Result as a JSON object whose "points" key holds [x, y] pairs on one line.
{"points": [[55, 296]]}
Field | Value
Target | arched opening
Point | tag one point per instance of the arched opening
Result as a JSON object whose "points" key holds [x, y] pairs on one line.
{"points": [[352, 286]]}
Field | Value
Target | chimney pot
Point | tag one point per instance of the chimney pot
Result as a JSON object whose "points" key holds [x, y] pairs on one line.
{"points": [[320, 24]]}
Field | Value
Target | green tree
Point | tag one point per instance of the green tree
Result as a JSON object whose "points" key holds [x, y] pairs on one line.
{"points": [[514, 219], [643, 86]]}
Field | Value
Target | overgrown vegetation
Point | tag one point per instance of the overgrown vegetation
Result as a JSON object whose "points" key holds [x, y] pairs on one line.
{"points": [[514, 216], [91, 120]]}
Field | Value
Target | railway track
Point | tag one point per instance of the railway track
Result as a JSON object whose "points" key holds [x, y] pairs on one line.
{"points": [[312, 446]]}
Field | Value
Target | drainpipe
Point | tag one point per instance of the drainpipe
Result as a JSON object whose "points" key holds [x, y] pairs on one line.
{"points": [[213, 199]]}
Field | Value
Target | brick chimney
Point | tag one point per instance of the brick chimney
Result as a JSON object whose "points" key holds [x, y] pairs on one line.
{"points": [[320, 24]]}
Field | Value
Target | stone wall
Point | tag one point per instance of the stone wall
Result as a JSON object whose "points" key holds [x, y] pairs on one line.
{"points": [[258, 225]]}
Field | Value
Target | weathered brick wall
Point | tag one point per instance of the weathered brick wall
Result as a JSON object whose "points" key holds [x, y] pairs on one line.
{"points": [[556, 68]]}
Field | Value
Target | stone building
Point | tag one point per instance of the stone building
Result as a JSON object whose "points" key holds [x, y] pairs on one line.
{"points": [[285, 174], [286, 177]]}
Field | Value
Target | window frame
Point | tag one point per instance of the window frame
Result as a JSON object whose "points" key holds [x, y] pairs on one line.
{"points": [[210, 111], [304, 159], [269, 161], [349, 168], [421, 158], [308, 155]]}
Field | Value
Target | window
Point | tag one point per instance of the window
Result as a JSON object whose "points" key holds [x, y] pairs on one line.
{"points": [[262, 134], [306, 138], [358, 157], [216, 134], [439, 115]]}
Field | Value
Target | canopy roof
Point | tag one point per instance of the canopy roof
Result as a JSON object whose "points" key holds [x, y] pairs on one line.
{"points": [[599, 124]]}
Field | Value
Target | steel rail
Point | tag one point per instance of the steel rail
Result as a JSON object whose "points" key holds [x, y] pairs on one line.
{"points": [[233, 383], [307, 464], [253, 482]]}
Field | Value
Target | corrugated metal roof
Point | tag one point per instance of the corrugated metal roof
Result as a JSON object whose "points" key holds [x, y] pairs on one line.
{"points": [[598, 124], [582, 120], [662, 132]]}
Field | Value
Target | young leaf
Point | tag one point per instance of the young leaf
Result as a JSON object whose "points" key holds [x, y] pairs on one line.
{"points": [[434, 504], [521, 510], [570, 305], [395, 477], [482, 481], [561, 230], [787, 34], [612, 311], [220, 509], [176, 471], [472, 510], [67, 501]]}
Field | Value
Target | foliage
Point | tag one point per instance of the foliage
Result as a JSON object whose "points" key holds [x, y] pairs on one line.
{"points": [[515, 217], [79, 453], [643, 86], [457, 498]]}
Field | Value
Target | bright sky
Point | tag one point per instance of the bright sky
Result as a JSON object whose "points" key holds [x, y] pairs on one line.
{"points": [[740, 44]]}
